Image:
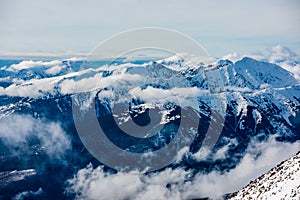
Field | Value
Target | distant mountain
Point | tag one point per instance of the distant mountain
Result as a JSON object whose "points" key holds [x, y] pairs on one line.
{"points": [[281, 182], [248, 99]]}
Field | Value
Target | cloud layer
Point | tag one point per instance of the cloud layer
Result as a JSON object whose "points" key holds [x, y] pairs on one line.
{"points": [[22, 132], [91, 183]]}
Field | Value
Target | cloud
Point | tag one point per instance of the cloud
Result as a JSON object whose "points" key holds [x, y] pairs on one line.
{"points": [[89, 183], [28, 194], [95, 183], [186, 96], [276, 54], [259, 158], [54, 70], [27, 64], [285, 58], [280, 55], [19, 131], [232, 57]]}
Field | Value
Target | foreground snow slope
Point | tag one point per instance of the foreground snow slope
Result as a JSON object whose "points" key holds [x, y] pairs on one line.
{"points": [[281, 182]]}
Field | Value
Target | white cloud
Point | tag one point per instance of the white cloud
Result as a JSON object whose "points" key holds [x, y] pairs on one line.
{"points": [[284, 57], [186, 96], [33, 88], [31, 64], [28, 194], [280, 53], [17, 131], [237, 89], [295, 69], [53, 70], [232, 57], [95, 183], [215, 184], [91, 183], [96, 81]]}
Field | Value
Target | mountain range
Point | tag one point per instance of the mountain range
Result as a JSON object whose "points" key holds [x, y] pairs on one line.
{"points": [[234, 104]]}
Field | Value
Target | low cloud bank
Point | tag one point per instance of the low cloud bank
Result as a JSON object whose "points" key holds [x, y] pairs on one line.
{"points": [[91, 183], [23, 135]]}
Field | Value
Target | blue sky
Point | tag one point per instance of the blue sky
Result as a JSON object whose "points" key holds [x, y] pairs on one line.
{"points": [[222, 27]]}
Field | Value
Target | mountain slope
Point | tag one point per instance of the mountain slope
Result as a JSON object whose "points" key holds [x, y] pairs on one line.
{"points": [[281, 182]]}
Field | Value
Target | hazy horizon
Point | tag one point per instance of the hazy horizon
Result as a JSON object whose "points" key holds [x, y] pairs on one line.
{"points": [[55, 28]]}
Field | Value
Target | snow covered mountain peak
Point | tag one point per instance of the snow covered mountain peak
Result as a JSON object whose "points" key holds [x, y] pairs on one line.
{"points": [[264, 73], [225, 62]]}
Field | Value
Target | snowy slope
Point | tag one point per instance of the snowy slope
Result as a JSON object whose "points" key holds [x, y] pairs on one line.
{"points": [[281, 182]]}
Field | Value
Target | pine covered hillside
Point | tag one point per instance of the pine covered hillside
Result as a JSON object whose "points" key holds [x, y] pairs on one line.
{"points": [[281, 182]]}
